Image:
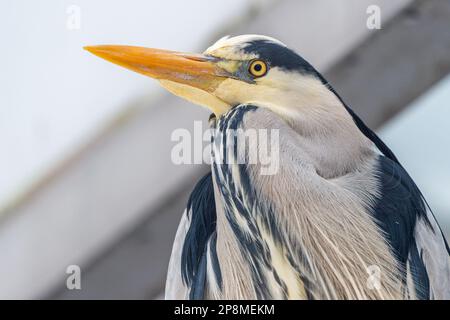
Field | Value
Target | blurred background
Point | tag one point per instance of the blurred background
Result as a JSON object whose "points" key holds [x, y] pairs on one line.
{"points": [[86, 176]]}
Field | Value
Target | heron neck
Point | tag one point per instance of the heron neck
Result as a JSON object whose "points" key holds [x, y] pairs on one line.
{"points": [[328, 137]]}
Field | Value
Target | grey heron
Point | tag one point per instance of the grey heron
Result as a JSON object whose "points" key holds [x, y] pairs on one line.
{"points": [[339, 204]]}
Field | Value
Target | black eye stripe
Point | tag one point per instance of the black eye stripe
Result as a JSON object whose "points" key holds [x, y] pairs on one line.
{"points": [[279, 56]]}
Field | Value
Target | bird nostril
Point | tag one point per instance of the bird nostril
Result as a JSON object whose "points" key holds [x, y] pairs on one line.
{"points": [[199, 57]]}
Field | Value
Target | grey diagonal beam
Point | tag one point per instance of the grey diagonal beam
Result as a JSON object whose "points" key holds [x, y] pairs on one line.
{"points": [[381, 75], [396, 64], [135, 267]]}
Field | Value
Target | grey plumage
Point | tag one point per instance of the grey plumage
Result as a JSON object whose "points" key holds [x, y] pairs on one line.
{"points": [[333, 216], [339, 205]]}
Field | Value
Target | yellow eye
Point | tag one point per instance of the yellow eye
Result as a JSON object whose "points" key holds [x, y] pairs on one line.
{"points": [[257, 68]]}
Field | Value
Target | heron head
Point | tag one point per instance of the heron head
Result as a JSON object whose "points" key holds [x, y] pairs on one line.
{"points": [[235, 70]]}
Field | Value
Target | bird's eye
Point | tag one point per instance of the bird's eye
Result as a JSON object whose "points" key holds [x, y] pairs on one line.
{"points": [[257, 68]]}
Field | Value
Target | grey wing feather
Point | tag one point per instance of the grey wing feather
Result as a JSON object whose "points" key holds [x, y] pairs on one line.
{"points": [[175, 288], [412, 232], [186, 278], [433, 251]]}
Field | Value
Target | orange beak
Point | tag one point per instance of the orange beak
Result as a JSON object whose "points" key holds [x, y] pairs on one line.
{"points": [[195, 70]]}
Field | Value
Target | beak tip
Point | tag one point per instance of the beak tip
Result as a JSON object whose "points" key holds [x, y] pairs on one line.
{"points": [[91, 49]]}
